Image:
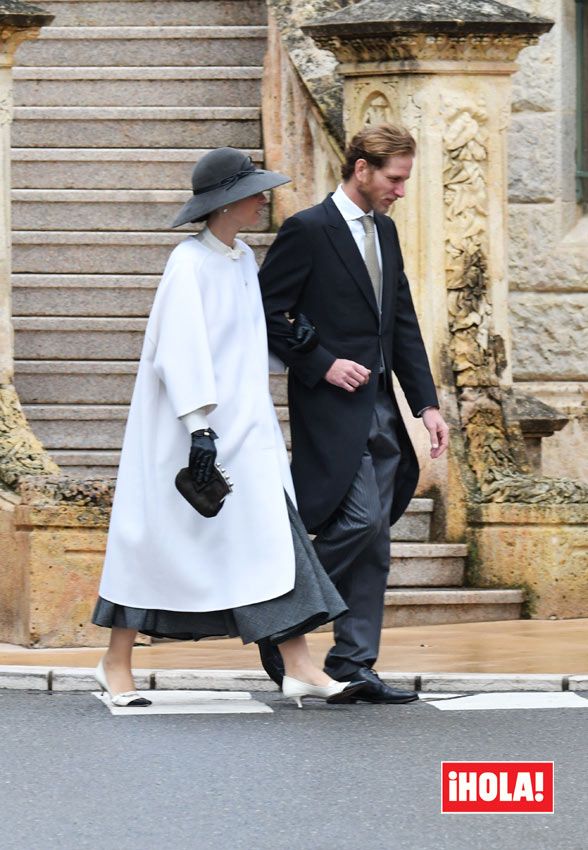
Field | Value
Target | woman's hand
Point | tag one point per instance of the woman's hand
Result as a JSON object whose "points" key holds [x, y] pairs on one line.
{"points": [[305, 335], [202, 456]]}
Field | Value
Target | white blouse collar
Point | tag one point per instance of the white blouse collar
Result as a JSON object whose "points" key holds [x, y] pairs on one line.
{"points": [[207, 237]]}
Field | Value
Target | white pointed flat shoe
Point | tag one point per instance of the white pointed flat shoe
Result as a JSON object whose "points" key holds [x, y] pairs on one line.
{"points": [[296, 690], [122, 700]]}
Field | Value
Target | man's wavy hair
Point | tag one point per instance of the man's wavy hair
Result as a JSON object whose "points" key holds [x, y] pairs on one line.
{"points": [[377, 144]]}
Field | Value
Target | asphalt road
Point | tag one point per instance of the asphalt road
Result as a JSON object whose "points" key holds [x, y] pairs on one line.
{"points": [[325, 778]]}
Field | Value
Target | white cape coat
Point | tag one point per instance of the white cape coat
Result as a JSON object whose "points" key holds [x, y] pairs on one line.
{"points": [[205, 344]]}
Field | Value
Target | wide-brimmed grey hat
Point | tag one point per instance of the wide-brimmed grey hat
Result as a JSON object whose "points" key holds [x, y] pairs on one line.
{"points": [[221, 177]]}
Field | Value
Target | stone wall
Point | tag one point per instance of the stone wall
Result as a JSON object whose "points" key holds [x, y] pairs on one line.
{"points": [[540, 548], [548, 232], [302, 108], [52, 543]]}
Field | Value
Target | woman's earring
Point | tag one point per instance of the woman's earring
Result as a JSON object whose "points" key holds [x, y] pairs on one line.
{"points": [[226, 209]]}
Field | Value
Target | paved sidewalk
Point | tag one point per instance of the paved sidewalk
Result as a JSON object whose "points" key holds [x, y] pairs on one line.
{"points": [[512, 646], [508, 655]]}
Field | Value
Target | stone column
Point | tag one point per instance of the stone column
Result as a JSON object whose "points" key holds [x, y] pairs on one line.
{"points": [[442, 69], [20, 452]]}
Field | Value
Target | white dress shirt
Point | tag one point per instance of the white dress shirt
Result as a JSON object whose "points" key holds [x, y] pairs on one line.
{"points": [[353, 215]]}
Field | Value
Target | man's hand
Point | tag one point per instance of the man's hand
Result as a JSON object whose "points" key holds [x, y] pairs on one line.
{"points": [[347, 375], [438, 431]]}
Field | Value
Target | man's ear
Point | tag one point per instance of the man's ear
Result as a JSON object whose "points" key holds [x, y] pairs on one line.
{"points": [[362, 170]]}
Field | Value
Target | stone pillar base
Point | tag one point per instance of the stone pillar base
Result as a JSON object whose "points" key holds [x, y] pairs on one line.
{"points": [[49, 575], [543, 549], [13, 585]]}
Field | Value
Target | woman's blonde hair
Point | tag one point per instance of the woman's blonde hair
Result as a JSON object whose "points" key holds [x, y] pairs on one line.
{"points": [[377, 144]]}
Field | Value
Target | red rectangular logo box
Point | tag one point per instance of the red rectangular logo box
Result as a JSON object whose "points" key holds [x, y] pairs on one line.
{"points": [[497, 786]]}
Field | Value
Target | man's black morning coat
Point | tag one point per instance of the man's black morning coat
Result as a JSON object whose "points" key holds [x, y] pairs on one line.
{"points": [[315, 267]]}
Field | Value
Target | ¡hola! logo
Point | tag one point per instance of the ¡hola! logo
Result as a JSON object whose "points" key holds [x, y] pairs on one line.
{"points": [[497, 786]]}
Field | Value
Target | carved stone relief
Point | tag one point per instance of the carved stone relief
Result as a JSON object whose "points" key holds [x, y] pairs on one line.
{"points": [[424, 46], [412, 116], [42, 490], [372, 101], [377, 109], [494, 450], [21, 453]]}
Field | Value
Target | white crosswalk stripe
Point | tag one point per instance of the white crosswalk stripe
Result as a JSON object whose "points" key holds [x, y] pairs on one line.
{"points": [[191, 702], [508, 700]]}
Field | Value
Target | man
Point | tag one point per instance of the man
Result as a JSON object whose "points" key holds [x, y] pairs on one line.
{"points": [[339, 265]]}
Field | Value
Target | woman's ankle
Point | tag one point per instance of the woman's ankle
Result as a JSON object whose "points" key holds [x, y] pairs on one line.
{"points": [[113, 662], [308, 673]]}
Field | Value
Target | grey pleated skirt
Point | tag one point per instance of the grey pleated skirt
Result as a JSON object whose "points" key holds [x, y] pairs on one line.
{"points": [[312, 602]]}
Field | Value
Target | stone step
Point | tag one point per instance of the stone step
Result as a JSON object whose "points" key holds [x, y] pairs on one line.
{"points": [[284, 420], [75, 381], [415, 525], [89, 427], [121, 126], [94, 253], [420, 607], [279, 387], [108, 168], [184, 87], [93, 13], [101, 209], [144, 46], [427, 564], [88, 382], [88, 464], [83, 295], [66, 338]]}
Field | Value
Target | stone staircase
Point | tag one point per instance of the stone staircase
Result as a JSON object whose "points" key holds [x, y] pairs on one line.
{"points": [[113, 105], [426, 580]]}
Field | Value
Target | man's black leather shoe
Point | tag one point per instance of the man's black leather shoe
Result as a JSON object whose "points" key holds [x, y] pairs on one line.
{"points": [[376, 691], [271, 660]]}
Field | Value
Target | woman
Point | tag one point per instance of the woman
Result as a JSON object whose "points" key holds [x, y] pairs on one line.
{"points": [[201, 393]]}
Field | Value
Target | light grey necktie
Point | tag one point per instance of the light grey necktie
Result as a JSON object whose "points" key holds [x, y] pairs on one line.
{"points": [[373, 267], [371, 256]]}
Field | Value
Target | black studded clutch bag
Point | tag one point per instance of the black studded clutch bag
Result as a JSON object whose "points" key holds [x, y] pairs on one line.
{"points": [[209, 498]]}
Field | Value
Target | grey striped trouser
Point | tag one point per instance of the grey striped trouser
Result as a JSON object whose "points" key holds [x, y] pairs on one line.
{"points": [[354, 547]]}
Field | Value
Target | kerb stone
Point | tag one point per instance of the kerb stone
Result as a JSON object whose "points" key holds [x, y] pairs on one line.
{"points": [[221, 680], [24, 678], [83, 679], [448, 682]]}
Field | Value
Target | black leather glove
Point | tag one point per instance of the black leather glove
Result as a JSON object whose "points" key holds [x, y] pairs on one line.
{"points": [[202, 456], [305, 335]]}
